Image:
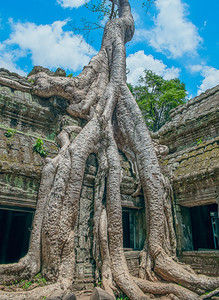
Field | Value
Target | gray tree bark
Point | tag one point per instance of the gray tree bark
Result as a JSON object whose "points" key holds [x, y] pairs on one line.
{"points": [[101, 96]]}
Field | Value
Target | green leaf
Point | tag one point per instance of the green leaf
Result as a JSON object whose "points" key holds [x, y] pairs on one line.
{"points": [[39, 148], [156, 97]]}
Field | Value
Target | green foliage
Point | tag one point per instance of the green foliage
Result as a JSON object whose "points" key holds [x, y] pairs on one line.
{"points": [[122, 296], [38, 280], [51, 136], [27, 285], [102, 8], [39, 148], [156, 97], [10, 133], [199, 141], [30, 80], [70, 75], [98, 284]]}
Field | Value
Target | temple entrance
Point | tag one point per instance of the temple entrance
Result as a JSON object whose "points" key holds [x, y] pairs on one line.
{"points": [[205, 227], [133, 221], [14, 234], [129, 233]]}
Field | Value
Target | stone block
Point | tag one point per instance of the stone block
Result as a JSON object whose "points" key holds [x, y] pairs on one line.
{"points": [[82, 255], [80, 269], [92, 170], [82, 242], [5, 91], [28, 97], [70, 296], [100, 294]]}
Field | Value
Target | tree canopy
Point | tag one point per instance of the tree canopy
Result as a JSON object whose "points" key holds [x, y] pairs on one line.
{"points": [[156, 97]]}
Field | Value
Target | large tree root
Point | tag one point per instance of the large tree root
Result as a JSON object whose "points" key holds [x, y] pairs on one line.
{"points": [[114, 213], [100, 96], [159, 288], [171, 271]]}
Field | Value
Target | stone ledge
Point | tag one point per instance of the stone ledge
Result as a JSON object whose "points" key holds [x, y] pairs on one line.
{"points": [[201, 253]]}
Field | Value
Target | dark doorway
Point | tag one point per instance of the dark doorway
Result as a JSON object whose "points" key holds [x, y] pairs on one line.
{"points": [[126, 229], [129, 230], [15, 228], [204, 230]]}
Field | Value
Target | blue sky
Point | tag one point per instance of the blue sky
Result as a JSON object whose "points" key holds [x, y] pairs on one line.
{"points": [[177, 38]]}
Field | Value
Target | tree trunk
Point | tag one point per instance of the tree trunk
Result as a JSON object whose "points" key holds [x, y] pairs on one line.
{"points": [[100, 95]]}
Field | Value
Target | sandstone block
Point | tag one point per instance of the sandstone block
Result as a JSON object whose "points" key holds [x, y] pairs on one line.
{"points": [[100, 294]]}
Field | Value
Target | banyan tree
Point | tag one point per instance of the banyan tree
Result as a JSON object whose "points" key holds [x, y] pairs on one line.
{"points": [[113, 123]]}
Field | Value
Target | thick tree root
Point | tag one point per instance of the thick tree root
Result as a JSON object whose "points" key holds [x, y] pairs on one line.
{"points": [[158, 288], [49, 291], [114, 215], [171, 271]]}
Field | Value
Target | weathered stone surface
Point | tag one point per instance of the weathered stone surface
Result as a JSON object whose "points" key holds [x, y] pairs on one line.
{"points": [[133, 260], [193, 166], [203, 262], [69, 297], [195, 173], [20, 168], [197, 119], [100, 294]]}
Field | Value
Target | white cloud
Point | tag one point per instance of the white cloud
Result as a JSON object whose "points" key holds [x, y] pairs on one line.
{"points": [[210, 75], [195, 68], [139, 61], [50, 46], [2, 47], [136, 17], [8, 60], [141, 35], [104, 21], [71, 3], [211, 79], [173, 34]]}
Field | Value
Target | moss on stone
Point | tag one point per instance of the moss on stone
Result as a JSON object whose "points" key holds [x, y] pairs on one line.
{"points": [[197, 162]]}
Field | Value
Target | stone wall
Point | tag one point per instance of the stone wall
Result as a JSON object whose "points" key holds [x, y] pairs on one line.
{"points": [[85, 265], [204, 262], [20, 168], [192, 135], [195, 120], [195, 173]]}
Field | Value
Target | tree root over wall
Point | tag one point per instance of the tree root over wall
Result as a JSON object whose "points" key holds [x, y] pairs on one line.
{"points": [[100, 96]]}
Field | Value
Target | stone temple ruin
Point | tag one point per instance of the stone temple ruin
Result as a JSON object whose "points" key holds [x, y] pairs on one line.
{"points": [[192, 136]]}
